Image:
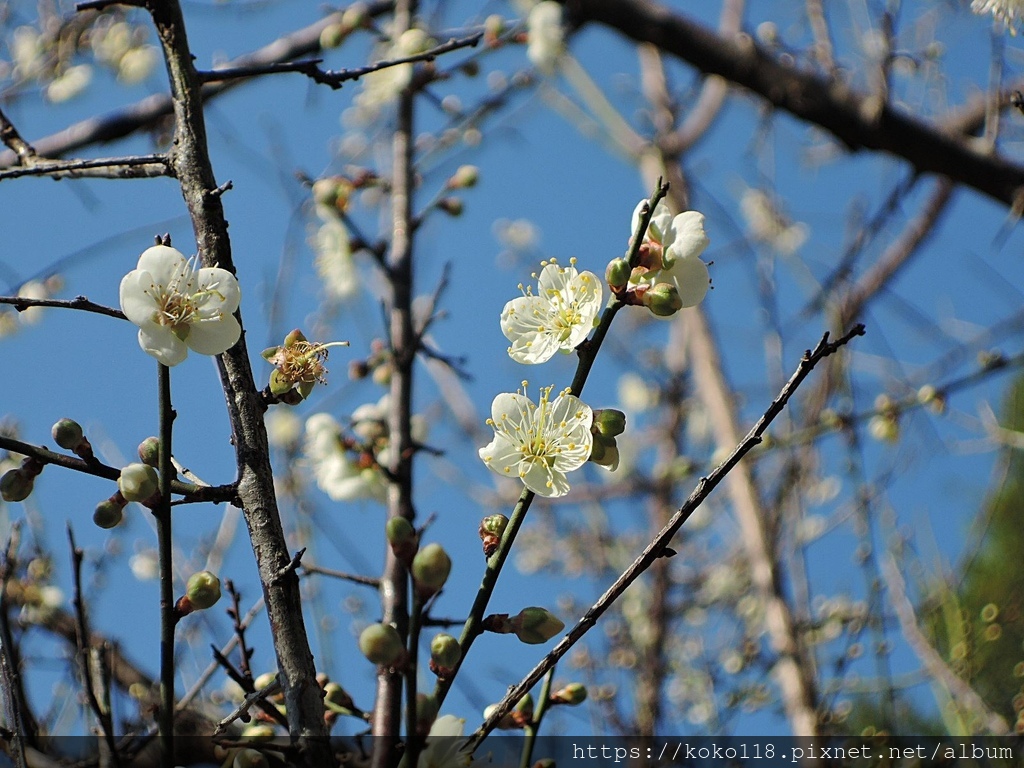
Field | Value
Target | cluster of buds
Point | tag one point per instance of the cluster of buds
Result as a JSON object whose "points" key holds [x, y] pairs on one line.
{"points": [[201, 592], [68, 434], [299, 366], [492, 528], [17, 484], [532, 625], [608, 424], [379, 365], [355, 16], [628, 284]]}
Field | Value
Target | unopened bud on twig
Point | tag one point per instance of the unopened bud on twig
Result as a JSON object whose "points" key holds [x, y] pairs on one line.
{"points": [[138, 482], [382, 645], [535, 625], [430, 568]]}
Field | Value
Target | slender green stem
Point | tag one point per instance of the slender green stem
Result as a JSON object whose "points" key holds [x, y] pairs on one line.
{"points": [[587, 354], [168, 617], [533, 729], [412, 737]]}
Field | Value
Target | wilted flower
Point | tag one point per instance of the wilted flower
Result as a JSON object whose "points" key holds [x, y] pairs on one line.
{"points": [[178, 307], [560, 316]]}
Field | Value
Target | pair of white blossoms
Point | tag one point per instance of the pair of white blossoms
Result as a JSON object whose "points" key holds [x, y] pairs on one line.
{"points": [[541, 443]]}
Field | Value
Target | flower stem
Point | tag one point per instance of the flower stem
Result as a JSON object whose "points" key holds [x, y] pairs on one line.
{"points": [[168, 618]]}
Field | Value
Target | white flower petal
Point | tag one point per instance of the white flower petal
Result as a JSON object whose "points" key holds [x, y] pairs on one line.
{"points": [[137, 305], [543, 480], [165, 264], [161, 343], [691, 278], [502, 455], [690, 240], [220, 289], [214, 337]]}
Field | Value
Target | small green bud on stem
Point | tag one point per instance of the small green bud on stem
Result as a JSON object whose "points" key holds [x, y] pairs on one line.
{"points": [[382, 645], [430, 569]]}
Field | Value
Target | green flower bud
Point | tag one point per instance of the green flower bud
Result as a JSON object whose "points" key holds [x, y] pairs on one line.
{"points": [[451, 205], [258, 732], [610, 422], [536, 625], [663, 300], [149, 451], [382, 645], [445, 653], [495, 525], [617, 273], [67, 434], [506, 723], [884, 428], [466, 176], [525, 707], [332, 36], [15, 485], [430, 568], [572, 694], [264, 680], [492, 528], [203, 589], [337, 698], [494, 25], [108, 514], [138, 482], [402, 538], [252, 758], [355, 16]]}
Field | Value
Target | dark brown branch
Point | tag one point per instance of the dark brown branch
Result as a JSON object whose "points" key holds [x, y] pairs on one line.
{"points": [[79, 302], [657, 547], [212, 493], [854, 118], [150, 111], [140, 167]]}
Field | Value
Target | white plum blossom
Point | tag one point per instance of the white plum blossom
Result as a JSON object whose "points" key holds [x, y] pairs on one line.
{"points": [[545, 37], [540, 443], [69, 84], [768, 223], [675, 243], [1008, 12], [178, 307], [560, 316], [444, 746], [336, 472]]}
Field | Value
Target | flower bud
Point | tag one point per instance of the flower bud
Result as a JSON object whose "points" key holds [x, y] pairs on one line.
{"points": [[108, 513], [524, 709], [536, 625], [466, 176], [67, 434], [15, 485], [445, 653], [264, 680], [138, 482], [494, 26], [572, 694], [663, 300], [402, 538], [332, 36], [356, 15], [610, 422], [258, 732], [149, 451], [506, 723], [382, 645], [337, 697], [430, 568], [492, 528], [450, 205], [617, 273], [929, 396], [885, 428], [203, 589], [250, 758]]}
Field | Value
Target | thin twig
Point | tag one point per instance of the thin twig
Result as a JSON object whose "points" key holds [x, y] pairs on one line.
{"points": [[140, 167], [366, 581], [657, 547], [168, 612], [21, 303], [15, 706]]}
